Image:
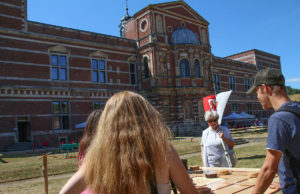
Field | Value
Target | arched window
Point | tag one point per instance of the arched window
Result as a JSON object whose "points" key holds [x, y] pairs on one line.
{"points": [[184, 68], [188, 110], [159, 26], [146, 68], [204, 36], [200, 109], [197, 68]]}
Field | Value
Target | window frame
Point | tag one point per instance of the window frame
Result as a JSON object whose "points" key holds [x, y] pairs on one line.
{"points": [[132, 73], [264, 114], [259, 64], [146, 68], [247, 84], [185, 69], [234, 108], [249, 109], [99, 71], [60, 114], [101, 105], [59, 67], [232, 83], [190, 113], [197, 74], [217, 82]]}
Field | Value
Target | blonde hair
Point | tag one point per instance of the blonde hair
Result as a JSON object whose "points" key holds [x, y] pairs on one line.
{"points": [[131, 139]]}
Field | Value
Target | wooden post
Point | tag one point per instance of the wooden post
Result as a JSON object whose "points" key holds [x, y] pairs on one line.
{"points": [[45, 172]]}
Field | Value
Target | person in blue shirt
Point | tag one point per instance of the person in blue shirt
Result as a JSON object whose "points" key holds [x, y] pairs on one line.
{"points": [[283, 143]]}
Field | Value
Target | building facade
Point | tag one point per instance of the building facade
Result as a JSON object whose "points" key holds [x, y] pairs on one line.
{"points": [[52, 77]]}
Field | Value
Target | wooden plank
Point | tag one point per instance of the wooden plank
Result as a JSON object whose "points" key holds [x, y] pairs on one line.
{"points": [[231, 189], [237, 181]]}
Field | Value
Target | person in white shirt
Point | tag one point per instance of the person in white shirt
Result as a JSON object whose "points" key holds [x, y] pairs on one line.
{"points": [[212, 151]]}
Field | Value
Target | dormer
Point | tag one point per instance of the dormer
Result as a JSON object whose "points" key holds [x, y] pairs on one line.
{"points": [[157, 22]]}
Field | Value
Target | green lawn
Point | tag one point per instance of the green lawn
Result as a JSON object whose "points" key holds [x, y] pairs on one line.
{"points": [[28, 165]]}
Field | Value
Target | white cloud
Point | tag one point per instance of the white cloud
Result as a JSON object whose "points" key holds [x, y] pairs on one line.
{"points": [[293, 80]]}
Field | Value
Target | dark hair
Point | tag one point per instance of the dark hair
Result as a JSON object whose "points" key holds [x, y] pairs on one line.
{"points": [[89, 131]]}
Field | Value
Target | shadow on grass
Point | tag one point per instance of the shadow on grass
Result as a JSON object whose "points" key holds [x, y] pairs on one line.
{"points": [[3, 161], [252, 157]]}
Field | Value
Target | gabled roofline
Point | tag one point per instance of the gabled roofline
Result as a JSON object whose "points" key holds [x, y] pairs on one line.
{"points": [[250, 51], [171, 2]]}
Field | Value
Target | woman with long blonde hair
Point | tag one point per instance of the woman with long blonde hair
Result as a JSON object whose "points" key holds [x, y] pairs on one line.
{"points": [[130, 153]]}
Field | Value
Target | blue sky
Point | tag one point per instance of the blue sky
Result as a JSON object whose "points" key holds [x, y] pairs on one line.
{"points": [[235, 25]]}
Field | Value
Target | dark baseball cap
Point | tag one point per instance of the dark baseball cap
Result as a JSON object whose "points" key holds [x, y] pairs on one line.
{"points": [[268, 76]]}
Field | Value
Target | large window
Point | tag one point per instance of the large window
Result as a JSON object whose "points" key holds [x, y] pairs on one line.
{"points": [[188, 110], [146, 68], [264, 114], [184, 68], [59, 67], [98, 71], [132, 73], [200, 109], [217, 82], [98, 105], [197, 68], [234, 107], [249, 109], [259, 65], [60, 115], [247, 84], [232, 83]]}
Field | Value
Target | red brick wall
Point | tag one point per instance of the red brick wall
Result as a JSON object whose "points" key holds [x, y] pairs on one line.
{"points": [[41, 123], [12, 14]]}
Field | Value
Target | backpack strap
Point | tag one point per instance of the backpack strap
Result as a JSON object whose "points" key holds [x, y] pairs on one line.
{"points": [[291, 109], [294, 165]]}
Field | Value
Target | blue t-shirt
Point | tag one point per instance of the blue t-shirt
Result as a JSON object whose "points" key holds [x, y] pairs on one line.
{"points": [[284, 134]]}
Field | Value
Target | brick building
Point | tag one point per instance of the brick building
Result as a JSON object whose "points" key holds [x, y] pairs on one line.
{"points": [[52, 77]]}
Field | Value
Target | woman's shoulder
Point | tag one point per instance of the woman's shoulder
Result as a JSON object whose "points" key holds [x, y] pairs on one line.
{"points": [[205, 130]]}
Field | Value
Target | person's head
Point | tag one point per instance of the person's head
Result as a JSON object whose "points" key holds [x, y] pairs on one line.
{"points": [[268, 83], [89, 131], [211, 117], [131, 139]]}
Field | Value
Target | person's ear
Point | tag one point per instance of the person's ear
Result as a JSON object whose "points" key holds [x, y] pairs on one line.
{"points": [[267, 89]]}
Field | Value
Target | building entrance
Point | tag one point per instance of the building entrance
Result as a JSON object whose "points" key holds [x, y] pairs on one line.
{"points": [[24, 134]]}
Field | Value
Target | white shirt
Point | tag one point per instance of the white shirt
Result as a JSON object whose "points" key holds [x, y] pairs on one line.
{"points": [[212, 143]]}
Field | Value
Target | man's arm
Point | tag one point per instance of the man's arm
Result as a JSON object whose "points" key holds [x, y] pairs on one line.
{"points": [[267, 171]]}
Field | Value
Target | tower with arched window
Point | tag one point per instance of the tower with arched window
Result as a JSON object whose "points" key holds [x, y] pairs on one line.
{"points": [[175, 60]]}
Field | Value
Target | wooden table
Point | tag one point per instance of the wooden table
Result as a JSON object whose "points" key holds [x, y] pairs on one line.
{"points": [[237, 181]]}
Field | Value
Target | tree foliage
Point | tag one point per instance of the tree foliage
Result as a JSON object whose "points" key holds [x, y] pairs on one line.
{"points": [[291, 91]]}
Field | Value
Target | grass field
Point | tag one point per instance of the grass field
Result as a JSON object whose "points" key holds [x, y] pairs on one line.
{"points": [[28, 165], [295, 97]]}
